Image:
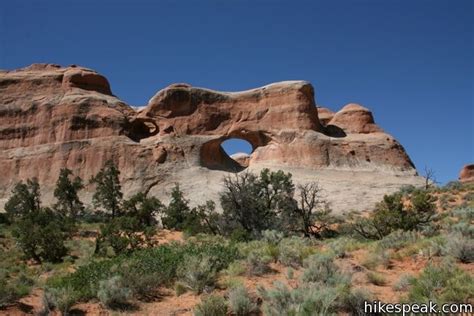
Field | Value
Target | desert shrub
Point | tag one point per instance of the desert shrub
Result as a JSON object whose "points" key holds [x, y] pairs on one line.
{"points": [[442, 283], [258, 246], [235, 268], [398, 239], [309, 299], [376, 278], [354, 301], [180, 288], [375, 259], [240, 302], [453, 186], [342, 246], [407, 189], [293, 250], [123, 234], [7, 292], [309, 213], [61, 299], [257, 263], [394, 214], [272, 237], [113, 293], [145, 268], [290, 273], [213, 305], [197, 272], [459, 247], [403, 282], [468, 197], [142, 285], [321, 268]]}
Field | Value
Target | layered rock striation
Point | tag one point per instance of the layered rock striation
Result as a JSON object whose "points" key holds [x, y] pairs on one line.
{"points": [[53, 117]]}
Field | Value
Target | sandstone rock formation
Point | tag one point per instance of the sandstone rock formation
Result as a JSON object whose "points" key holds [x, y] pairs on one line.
{"points": [[53, 117], [467, 173]]}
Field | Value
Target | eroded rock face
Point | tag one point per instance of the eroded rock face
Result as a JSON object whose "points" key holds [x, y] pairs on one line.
{"points": [[467, 173], [53, 117]]}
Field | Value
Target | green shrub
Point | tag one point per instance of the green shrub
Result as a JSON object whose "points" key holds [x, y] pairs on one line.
{"points": [[460, 247], [398, 239], [142, 285], [7, 292], [354, 301], [180, 288], [113, 293], [290, 273], [61, 299], [376, 278], [257, 263], [392, 214], [342, 246], [321, 268], [403, 282], [443, 283], [240, 302], [293, 250], [41, 235], [374, 259], [235, 268], [309, 299], [272, 237], [212, 305], [145, 269], [197, 272]]}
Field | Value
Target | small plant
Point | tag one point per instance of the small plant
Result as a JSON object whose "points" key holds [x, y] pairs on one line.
{"points": [[179, 288], [309, 299], [293, 250], [354, 302], [240, 302], [376, 278], [112, 292], [257, 264], [397, 239], [235, 268], [442, 283], [290, 273], [272, 237], [342, 246], [62, 299], [460, 247], [197, 272], [403, 282], [373, 260], [322, 269], [212, 305]]}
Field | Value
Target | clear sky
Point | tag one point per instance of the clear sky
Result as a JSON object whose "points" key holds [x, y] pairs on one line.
{"points": [[410, 62]]}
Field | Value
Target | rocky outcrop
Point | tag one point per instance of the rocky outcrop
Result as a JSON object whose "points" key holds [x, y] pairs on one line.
{"points": [[467, 173], [53, 117]]}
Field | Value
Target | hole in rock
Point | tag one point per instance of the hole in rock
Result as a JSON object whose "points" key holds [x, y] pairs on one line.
{"points": [[238, 150]]}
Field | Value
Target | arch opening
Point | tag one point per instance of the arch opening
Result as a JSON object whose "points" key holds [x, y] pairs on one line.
{"points": [[238, 150]]}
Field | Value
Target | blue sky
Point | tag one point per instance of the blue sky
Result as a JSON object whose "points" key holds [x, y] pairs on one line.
{"points": [[410, 62]]}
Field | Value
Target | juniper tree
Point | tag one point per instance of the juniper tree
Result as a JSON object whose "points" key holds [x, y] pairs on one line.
{"points": [[255, 203], [108, 194], [68, 202], [177, 213], [25, 199]]}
